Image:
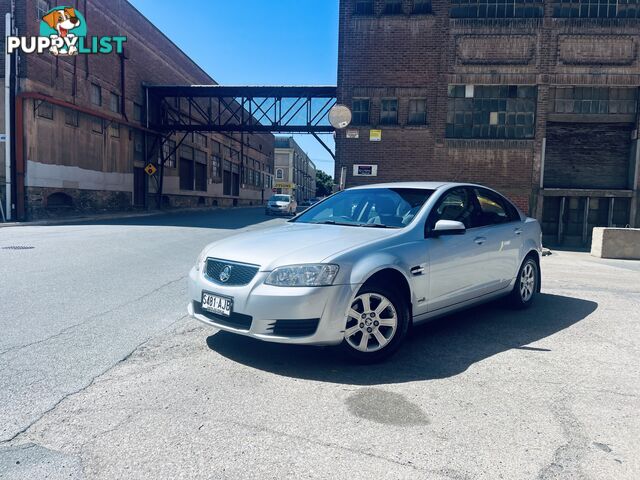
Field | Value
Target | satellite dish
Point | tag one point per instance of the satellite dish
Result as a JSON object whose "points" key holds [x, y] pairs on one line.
{"points": [[339, 116]]}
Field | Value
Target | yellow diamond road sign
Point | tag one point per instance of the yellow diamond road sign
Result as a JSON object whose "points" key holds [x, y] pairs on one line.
{"points": [[150, 169]]}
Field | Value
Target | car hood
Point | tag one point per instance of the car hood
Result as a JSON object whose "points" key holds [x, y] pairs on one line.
{"points": [[293, 243]]}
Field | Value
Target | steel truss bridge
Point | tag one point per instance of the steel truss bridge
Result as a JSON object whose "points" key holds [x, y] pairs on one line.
{"points": [[183, 109]]}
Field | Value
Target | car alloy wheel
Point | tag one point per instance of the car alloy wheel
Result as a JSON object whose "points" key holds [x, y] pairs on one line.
{"points": [[372, 322], [527, 284], [527, 281]]}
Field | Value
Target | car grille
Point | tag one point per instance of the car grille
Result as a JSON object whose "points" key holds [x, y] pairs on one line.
{"points": [[236, 320], [295, 328], [238, 273]]}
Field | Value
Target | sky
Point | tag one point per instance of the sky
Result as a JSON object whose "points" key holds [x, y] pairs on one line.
{"points": [[257, 42]]}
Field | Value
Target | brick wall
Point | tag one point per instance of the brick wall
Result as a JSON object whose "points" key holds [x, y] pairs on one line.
{"points": [[149, 58], [409, 55]]}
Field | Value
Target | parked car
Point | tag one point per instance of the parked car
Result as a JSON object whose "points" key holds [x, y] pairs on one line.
{"points": [[281, 205], [363, 265]]}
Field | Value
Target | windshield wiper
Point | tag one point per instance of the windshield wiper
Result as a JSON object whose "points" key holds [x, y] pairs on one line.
{"points": [[333, 222], [375, 225]]}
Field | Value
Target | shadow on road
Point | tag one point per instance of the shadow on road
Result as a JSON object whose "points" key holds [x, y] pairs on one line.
{"points": [[440, 349], [224, 219]]}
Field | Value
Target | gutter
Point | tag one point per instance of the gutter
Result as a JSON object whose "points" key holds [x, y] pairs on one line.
{"points": [[7, 121]]}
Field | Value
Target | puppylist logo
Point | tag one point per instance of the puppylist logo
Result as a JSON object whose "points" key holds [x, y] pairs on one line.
{"points": [[63, 32]]}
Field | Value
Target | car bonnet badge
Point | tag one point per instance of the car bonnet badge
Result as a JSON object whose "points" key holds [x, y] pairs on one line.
{"points": [[225, 274]]}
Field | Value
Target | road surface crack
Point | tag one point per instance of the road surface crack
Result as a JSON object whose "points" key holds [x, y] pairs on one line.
{"points": [[90, 318], [93, 380]]}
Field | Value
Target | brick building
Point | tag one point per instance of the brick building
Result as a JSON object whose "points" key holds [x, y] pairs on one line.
{"points": [[536, 99], [295, 169], [80, 136]]}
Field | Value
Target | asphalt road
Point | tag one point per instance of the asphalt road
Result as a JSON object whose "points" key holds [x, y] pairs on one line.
{"points": [[102, 376]]}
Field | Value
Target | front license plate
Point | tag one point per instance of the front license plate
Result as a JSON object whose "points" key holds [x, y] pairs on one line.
{"points": [[217, 304]]}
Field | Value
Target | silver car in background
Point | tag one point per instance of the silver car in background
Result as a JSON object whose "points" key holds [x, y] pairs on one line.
{"points": [[360, 267], [281, 204]]}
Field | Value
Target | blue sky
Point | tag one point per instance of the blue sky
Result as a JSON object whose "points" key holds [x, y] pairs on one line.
{"points": [[257, 42]]}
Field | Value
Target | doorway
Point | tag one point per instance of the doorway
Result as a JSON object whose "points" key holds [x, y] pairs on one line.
{"points": [[139, 187]]}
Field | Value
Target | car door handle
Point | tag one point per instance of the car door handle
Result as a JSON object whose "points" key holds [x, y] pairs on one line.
{"points": [[480, 240], [518, 231], [417, 271]]}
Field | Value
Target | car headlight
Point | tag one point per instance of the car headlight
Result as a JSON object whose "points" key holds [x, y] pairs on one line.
{"points": [[303, 276], [201, 258]]}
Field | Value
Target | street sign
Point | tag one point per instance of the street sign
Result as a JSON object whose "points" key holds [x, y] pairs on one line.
{"points": [[150, 169], [365, 170], [352, 133], [375, 135]]}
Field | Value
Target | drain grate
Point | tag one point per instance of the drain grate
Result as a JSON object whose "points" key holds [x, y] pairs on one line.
{"points": [[18, 247]]}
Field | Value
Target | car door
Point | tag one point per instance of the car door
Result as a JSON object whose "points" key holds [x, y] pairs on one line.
{"points": [[455, 261], [500, 224]]}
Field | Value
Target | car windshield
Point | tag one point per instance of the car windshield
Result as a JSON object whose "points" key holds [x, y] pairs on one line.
{"points": [[370, 207], [279, 198]]}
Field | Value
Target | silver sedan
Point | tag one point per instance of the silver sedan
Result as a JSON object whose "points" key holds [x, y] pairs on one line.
{"points": [[360, 267]]}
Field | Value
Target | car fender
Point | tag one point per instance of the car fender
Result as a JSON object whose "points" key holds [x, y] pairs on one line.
{"points": [[367, 267]]}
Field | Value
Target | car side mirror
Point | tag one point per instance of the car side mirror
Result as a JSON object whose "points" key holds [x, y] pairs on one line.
{"points": [[448, 227]]}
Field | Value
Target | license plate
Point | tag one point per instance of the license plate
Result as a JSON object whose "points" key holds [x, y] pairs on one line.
{"points": [[217, 304]]}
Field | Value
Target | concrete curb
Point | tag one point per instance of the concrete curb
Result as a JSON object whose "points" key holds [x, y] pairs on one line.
{"points": [[118, 216]]}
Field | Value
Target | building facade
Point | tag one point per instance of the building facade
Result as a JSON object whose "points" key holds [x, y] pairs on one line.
{"points": [[80, 132], [295, 173], [538, 99]]}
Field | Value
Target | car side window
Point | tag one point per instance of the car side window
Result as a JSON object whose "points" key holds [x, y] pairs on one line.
{"points": [[493, 209], [454, 205]]}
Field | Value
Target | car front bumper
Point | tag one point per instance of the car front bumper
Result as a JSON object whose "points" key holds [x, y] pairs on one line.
{"points": [[295, 315], [281, 210]]}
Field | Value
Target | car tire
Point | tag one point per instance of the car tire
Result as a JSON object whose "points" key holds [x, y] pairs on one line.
{"points": [[527, 284], [374, 326]]}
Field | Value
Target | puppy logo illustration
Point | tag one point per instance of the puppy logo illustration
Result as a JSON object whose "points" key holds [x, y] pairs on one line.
{"points": [[63, 25]]}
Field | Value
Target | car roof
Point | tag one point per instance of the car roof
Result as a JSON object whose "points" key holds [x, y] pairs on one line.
{"points": [[417, 185]]}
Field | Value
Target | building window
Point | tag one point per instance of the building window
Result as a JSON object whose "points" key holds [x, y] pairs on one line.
{"points": [[200, 139], [279, 174], [96, 94], [169, 153], [421, 7], [491, 111], [114, 130], [137, 112], [138, 146], [361, 111], [71, 118], [216, 167], [114, 103], [497, 8], [45, 110], [43, 7], [595, 100], [97, 126], [417, 111], [389, 111], [596, 9], [364, 7], [392, 7]]}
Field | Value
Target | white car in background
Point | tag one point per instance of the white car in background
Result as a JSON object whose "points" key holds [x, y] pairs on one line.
{"points": [[281, 204], [360, 267]]}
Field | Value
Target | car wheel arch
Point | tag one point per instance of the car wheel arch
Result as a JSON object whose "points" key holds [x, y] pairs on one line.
{"points": [[535, 255], [393, 277]]}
